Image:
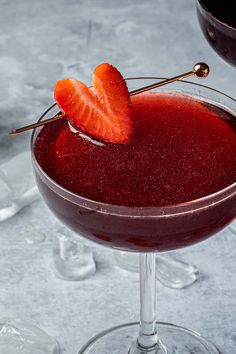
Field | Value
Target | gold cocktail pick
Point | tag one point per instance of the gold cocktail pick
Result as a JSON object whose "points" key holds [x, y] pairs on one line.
{"points": [[200, 70]]}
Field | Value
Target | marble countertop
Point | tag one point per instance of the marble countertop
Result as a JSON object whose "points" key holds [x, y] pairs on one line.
{"points": [[41, 42]]}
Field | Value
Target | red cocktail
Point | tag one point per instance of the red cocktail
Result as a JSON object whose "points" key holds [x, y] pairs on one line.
{"points": [[171, 186], [183, 149]]}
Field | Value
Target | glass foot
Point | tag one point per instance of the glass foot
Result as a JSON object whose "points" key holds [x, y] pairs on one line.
{"points": [[170, 272], [19, 337], [176, 340]]}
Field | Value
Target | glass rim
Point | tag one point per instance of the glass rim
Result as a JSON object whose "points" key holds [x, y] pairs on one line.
{"points": [[225, 24], [129, 211]]}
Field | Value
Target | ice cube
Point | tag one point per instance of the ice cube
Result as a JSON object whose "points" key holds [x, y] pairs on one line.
{"points": [[127, 260], [171, 272], [175, 273], [17, 185], [19, 337], [72, 259], [34, 236], [232, 227]]}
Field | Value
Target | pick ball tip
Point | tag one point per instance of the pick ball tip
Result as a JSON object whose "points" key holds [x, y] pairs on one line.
{"points": [[201, 70]]}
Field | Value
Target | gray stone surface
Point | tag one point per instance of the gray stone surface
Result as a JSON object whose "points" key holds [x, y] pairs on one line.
{"points": [[41, 41]]}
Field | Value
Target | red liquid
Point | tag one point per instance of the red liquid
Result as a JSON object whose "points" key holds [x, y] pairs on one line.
{"points": [[181, 150]]}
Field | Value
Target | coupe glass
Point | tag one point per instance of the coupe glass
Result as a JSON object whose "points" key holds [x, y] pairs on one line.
{"points": [[220, 35], [146, 230]]}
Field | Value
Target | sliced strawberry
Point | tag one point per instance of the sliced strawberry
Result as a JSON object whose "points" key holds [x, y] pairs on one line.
{"points": [[103, 111]]}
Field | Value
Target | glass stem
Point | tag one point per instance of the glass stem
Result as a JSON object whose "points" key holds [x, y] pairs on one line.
{"points": [[148, 338]]}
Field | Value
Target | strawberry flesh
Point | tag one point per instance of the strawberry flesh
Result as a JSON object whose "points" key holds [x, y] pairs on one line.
{"points": [[103, 111]]}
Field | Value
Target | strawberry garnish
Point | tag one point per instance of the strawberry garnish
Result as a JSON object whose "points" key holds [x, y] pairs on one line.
{"points": [[103, 111]]}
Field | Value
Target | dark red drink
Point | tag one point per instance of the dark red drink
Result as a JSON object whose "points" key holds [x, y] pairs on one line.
{"points": [[182, 149], [218, 23]]}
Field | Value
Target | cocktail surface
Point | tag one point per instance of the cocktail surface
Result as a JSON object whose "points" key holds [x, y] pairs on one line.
{"points": [[181, 149]]}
